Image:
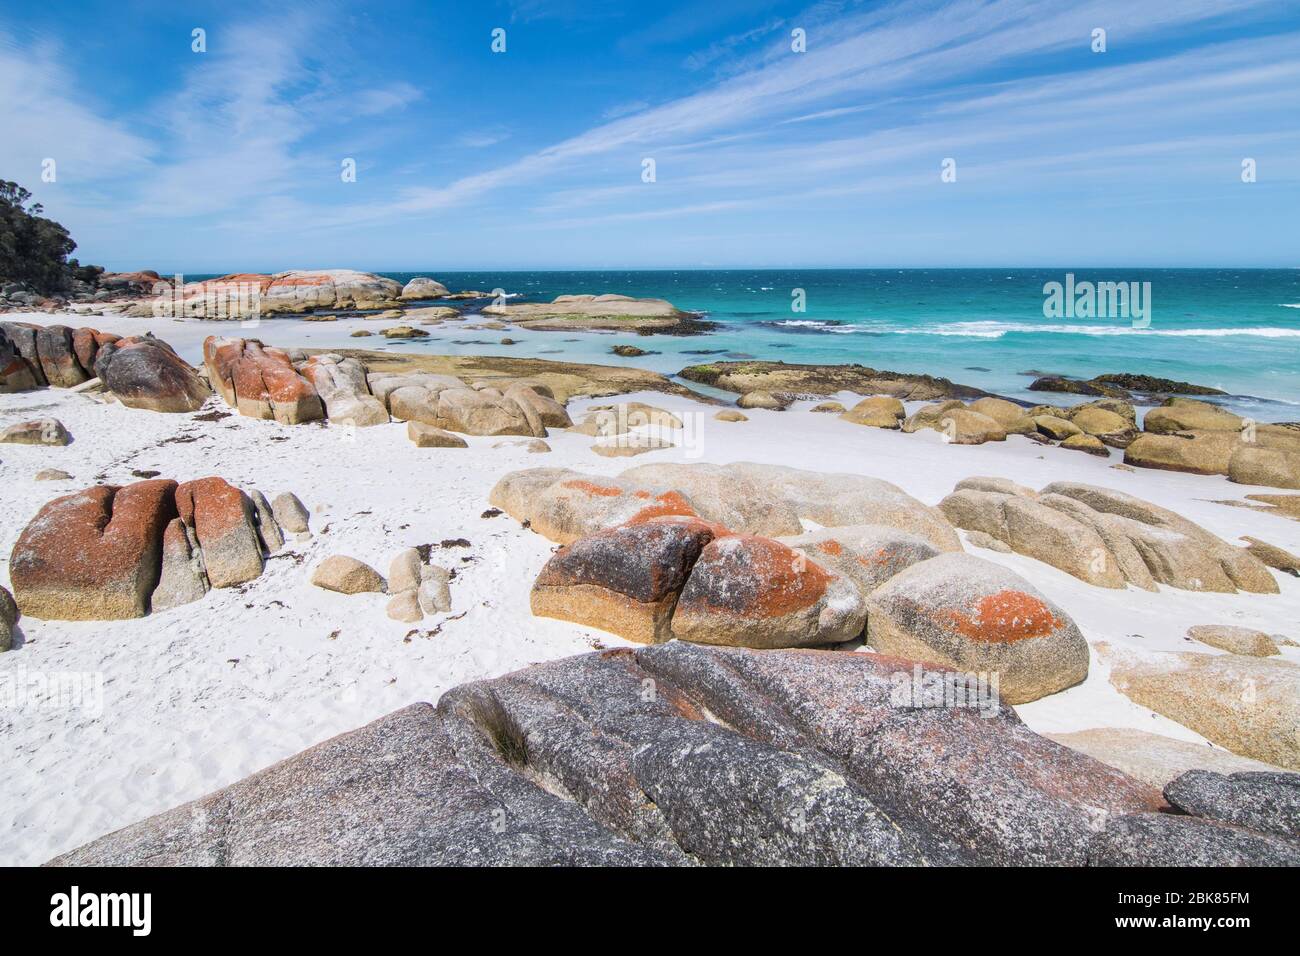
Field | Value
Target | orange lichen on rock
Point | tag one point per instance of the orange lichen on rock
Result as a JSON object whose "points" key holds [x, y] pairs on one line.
{"points": [[669, 503], [1004, 618], [591, 488]]}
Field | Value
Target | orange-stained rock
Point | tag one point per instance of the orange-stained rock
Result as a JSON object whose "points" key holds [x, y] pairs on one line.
{"points": [[625, 580], [564, 505], [260, 382], [21, 337], [58, 359], [85, 344], [972, 615], [749, 591], [221, 518], [93, 555], [866, 554]]}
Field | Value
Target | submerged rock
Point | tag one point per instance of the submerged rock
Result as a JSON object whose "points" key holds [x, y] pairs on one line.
{"points": [[600, 312], [749, 376]]}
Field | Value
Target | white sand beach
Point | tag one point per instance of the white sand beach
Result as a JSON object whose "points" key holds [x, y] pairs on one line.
{"points": [[198, 697]]}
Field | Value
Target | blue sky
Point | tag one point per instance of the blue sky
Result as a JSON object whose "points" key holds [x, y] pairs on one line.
{"points": [[533, 158]]}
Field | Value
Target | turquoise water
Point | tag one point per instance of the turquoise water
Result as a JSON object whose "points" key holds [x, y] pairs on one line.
{"points": [[1233, 329]]}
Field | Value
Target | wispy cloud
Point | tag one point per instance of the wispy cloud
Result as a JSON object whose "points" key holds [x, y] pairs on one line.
{"points": [[44, 115], [250, 138]]}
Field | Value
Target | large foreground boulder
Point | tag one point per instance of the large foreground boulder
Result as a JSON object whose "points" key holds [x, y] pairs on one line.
{"points": [[866, 554], [746, 498], [775, 499], [673, 755], [1162, 839], [1249, 705], [723, 494], [963, 612], [563, 505], [144, 372], [1266, 801]]}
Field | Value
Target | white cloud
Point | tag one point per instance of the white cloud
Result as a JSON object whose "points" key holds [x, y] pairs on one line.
{"points": [[43, 115]]}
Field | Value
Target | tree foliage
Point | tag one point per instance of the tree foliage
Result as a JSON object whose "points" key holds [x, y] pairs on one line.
{"points": [[34, 250]]}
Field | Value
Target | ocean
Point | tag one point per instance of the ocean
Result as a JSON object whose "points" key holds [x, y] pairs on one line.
{"points": [[1233, 329]]}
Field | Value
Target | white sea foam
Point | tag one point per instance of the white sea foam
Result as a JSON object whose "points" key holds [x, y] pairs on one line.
{"points": [[999, 329], [996, 330]]}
